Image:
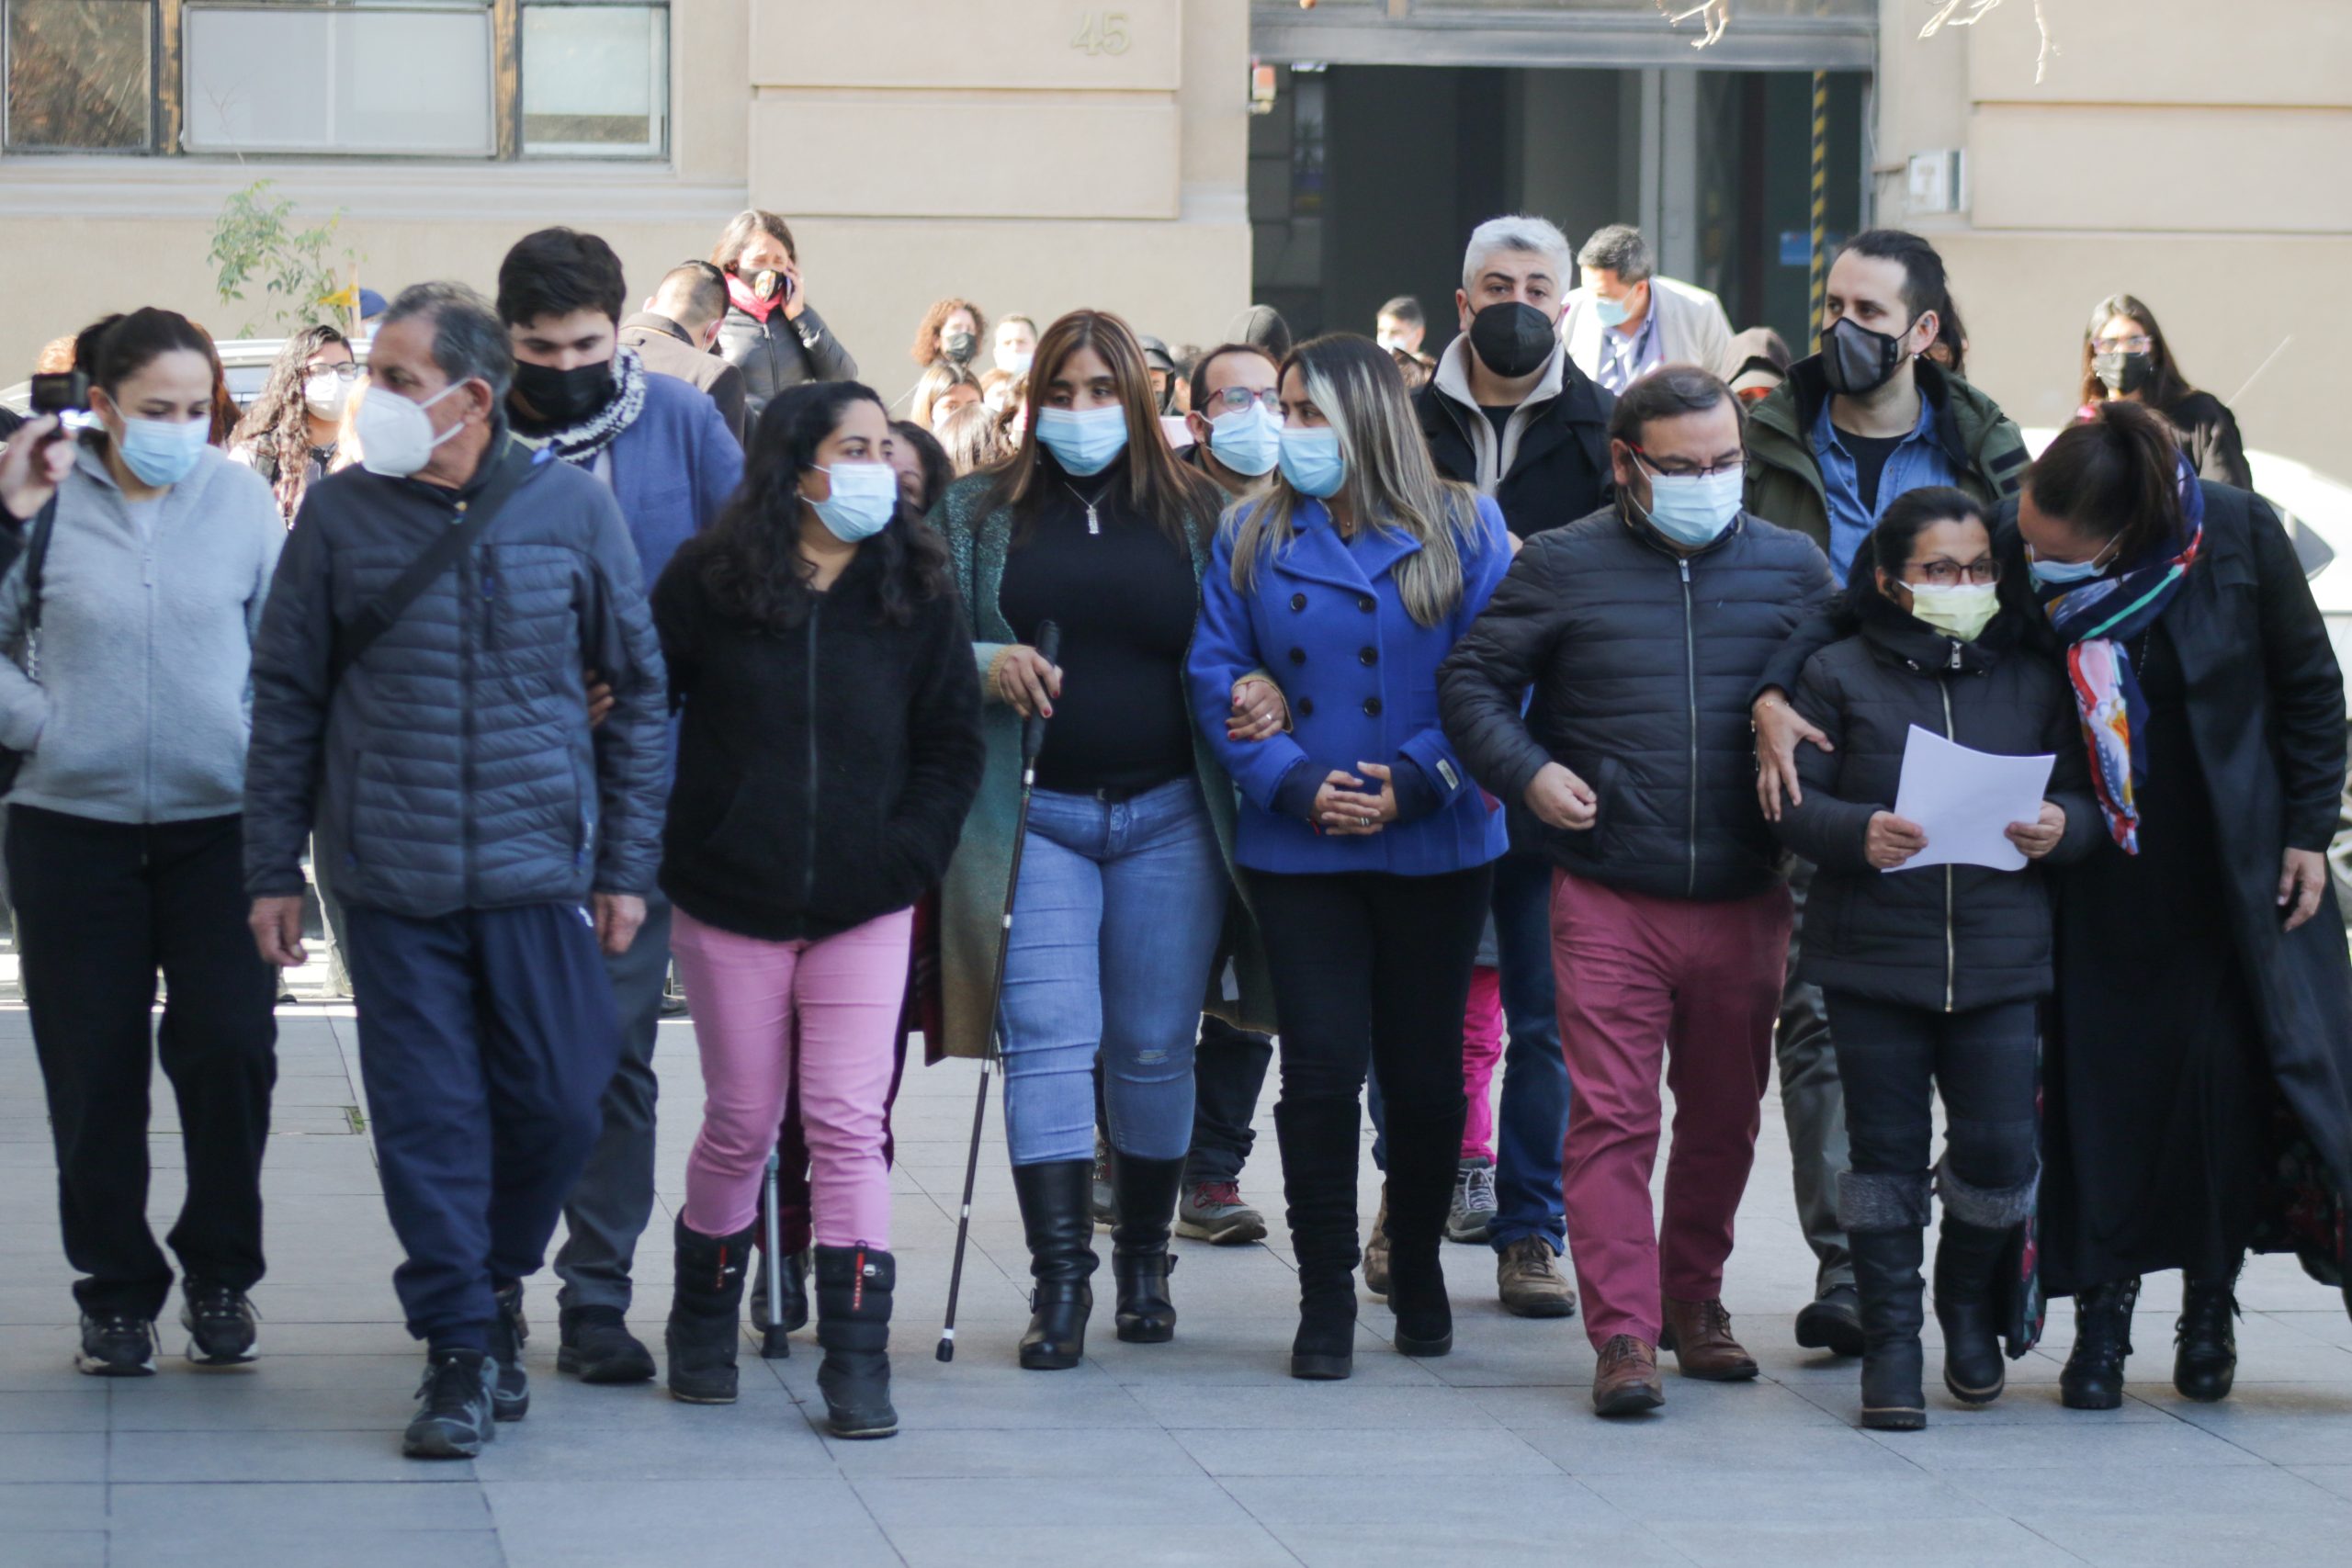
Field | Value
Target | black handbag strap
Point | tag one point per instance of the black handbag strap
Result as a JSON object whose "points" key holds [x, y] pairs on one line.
{"points": [[36, 560], [356, 637]]}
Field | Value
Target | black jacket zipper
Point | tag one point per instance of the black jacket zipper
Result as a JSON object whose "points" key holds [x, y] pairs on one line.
{"points": [[1690, 673], [809, 863]]}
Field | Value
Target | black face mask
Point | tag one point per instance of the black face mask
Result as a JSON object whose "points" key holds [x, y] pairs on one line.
{"points": [[2124, 374], [560, 398], [1855, 360], [960, 347], [1512, 339]]}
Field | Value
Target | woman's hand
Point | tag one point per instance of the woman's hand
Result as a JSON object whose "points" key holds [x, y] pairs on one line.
{"points": [[795, 300], [2037, 838], [1341, 808], [2302, 877], [1260, 712], [1025, 682], [1891, 840], [1779, 729], [32, 465]]}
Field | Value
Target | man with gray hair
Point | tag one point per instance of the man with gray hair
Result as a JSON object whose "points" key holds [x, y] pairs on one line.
{"points": [[420, 700], [1510, 412], [1627, 320]]}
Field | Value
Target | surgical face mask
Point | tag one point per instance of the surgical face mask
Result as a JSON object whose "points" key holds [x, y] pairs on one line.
{"points": [[1961, 611], [561, 398], [2064, 573], [1513, 339], [1084, 443], [1015, 361], [1856, 360], [2124, 374], [1249, 441], [395, 437], [1613, 312], [161, 451], [324, 395], [960, 346], [1311, 460], [865, 499], [1694, 509]]}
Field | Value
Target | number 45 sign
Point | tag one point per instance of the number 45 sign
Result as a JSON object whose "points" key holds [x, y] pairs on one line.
{"points": [[1101, 32]]}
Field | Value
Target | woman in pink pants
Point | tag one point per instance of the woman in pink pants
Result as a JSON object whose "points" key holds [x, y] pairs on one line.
{"points": [[830, 747]]}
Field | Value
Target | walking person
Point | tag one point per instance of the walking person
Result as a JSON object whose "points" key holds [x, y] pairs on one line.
{"points": [[676, 333], [1125, 879], [1643, 630], [1367, 846], [663, 451], [487, 842], [129, 618], [1934, 977], [831, 747], [287, 436], [771, 332], [2125, 357]]}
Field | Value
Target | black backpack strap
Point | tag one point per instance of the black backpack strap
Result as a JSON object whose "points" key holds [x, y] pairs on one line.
{"points": [[354, 638], [36, 562]]}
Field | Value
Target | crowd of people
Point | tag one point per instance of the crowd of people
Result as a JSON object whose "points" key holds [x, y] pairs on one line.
{"points": [[1536, 709]]}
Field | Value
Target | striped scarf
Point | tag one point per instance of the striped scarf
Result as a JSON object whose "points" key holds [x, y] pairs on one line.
{"points": [[2096, 620]]}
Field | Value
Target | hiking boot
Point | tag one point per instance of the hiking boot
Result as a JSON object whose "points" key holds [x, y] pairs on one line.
{"points": [[1700, 1335], [1529, 1278], [706, 1308], [1470, 1218], [1213, 1211], [596, 1347], [1104, 1200], [2205, 1342], [220, 1324], [1833, 1322], [117, 1345], [509, 1385], [2093, 1376], [455, 1419], [1625, 1382], [853, 1286], [1375, 1249]]}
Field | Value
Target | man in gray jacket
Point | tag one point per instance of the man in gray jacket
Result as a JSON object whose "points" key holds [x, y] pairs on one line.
{"points": [[473, 818]]}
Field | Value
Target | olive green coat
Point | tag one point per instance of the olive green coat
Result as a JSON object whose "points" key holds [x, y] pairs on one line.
{"points": [[972, 900]]}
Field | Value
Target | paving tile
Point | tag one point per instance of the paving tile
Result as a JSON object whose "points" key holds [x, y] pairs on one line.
{"points": [[364, 1452], [48, 1457], [1344, 1522], [573, 1524], [323, 1510], [58, 1549], [1854, 1485], [63, 1410], [2298, 1538], [1832, 1543], [1069, 1519], [278, 1547], [1416, 1453], [51, 1506]]}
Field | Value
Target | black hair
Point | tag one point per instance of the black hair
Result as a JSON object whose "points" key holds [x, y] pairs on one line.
{"points": [[1619, 248], [557, 271], [128, 344], [1405, 309], [938, 468], [2115, 477], [1925, 288], [1953, 336], [1199, 390], [277, 425], [469, 342], [1668, 392], [699, 287], [2166, 386], [750, 559], [1889, 544], [86, 341]]}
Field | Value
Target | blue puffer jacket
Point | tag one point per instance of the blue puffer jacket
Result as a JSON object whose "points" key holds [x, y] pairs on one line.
{"points": [[453, 768]]}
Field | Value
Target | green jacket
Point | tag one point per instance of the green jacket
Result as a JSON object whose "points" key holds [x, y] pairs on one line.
{"points": [[972, 898], [1784, 478]]}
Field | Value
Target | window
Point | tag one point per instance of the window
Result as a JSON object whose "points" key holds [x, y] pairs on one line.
{"points": [[386, 78]]}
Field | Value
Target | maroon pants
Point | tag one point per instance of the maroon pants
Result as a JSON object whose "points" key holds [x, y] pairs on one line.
{"points": [[1696, 986]]}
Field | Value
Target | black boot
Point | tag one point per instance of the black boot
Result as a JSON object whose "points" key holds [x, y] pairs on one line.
{"points": [[1886, 1276], [1147, 1192], [853, 1286], [1967, 1259], [1320, 1149], [705, 1312], [2093, 1378], [1059, 1223], [1423, 1152], [2205, 1346]]}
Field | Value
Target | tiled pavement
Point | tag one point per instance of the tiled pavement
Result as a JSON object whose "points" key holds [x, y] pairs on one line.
{"points": [[1201, 1452]]}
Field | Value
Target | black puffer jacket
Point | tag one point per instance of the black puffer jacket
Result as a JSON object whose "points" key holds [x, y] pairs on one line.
{"points": [[1951, 938], [778, 352], [824, 773], [1642, 662]]}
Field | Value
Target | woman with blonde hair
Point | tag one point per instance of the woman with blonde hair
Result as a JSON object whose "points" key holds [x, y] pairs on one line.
{"points": [[973, 439], [944, 388], [1367, 847]]}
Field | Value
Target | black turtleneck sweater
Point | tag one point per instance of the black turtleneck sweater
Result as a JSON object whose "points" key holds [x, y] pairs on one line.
{"points": [[1126, 599]]}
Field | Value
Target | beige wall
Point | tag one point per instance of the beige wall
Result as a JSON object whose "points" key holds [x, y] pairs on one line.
{"points": [[2192, 153], [919, 148]]}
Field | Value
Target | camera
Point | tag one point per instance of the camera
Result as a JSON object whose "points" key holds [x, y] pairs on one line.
{"points": [[65, 394]]}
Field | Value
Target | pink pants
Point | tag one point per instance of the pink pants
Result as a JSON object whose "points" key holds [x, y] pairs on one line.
{"points": [[1697, 985], [754, 1002], [1482, 1048]]}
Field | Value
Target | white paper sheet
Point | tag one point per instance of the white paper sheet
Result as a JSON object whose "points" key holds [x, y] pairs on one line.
{"points": [[1966, 800]]}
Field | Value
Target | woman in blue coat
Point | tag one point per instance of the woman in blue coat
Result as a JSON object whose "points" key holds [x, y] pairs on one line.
{"points": [[1367, 847]]}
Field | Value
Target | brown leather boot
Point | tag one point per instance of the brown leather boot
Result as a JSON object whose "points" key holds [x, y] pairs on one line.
{"points": [[1700, 1333], [1626, 1381]]}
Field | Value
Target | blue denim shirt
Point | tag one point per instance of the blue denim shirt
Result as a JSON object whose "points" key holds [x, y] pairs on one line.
{"points": [[1920, 460]]}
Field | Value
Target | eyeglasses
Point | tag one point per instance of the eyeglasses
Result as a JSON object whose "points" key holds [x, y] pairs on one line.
{"points": [[2138, 343], [1729, 466], [1233, 400], [1942, 573], [346, 371]]}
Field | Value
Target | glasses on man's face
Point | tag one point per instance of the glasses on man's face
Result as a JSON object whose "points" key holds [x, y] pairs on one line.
{"points": [[1233, 400], [1684, 468], [1943, 574], [2136, 344], [346, 371]]}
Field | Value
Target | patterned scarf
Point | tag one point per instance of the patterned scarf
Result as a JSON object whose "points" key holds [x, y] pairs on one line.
{"points": [[579, 445], [2096, 620]]}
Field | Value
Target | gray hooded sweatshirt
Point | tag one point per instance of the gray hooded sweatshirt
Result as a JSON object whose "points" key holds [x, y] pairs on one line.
{"points": [[141, 697]]}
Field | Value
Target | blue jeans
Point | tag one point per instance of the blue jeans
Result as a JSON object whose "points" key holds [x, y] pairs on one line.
{"points": [[1532, 1124], [1115, 925]]}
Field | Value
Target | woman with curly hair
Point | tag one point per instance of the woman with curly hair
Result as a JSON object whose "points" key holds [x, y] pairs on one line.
{"points": [[289, 436], [950, 333]]}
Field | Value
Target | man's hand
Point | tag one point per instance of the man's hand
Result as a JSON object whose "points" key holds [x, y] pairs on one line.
{"points": [[32, 465], [1779, 728], [618, 917], [2302, 877], [1891, 841], [277, 924], [2037, 838], [1560, 799], [599, 698], [1259, 711]]}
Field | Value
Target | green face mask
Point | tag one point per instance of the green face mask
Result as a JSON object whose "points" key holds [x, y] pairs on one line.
{"points": [[1961, 611]]}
